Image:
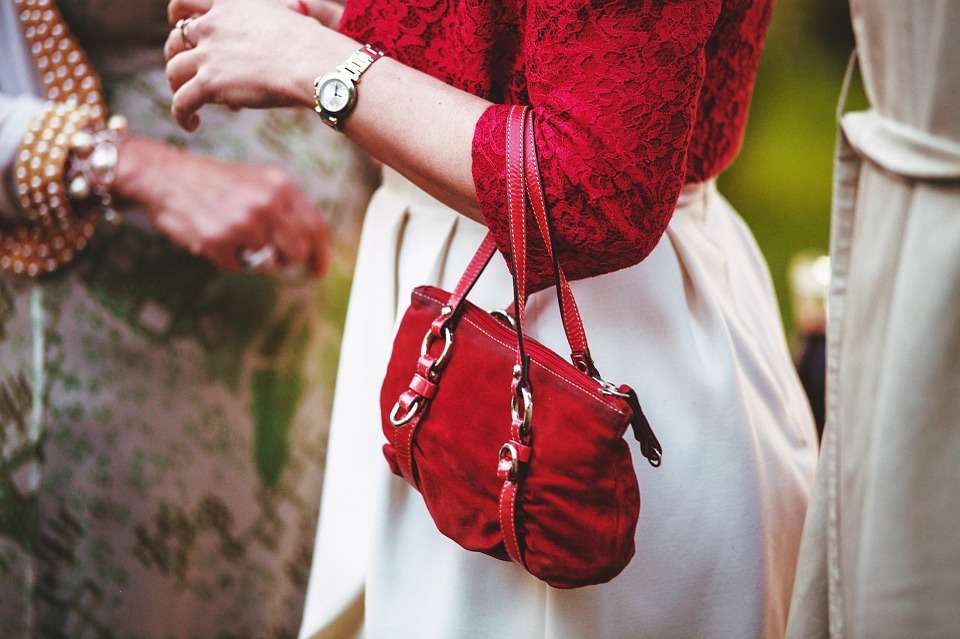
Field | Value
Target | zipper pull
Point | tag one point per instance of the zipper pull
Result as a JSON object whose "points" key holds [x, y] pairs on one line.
{"points": [[649, 444]]}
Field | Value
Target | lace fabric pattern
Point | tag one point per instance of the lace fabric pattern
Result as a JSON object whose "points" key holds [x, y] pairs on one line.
{"points": [[631, 100]]}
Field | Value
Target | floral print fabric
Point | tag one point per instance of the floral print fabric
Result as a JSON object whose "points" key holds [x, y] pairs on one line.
{"points": [[162, 424]]}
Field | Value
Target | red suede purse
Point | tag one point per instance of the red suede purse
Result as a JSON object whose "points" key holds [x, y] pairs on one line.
{"points": [[556, 492]]}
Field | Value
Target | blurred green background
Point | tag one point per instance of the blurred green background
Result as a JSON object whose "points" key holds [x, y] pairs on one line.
{"points": [[781, 181]]}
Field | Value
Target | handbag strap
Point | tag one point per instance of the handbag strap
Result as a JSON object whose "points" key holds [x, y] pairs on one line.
{"points": [[569, 311], [517, 218], [524, 185]]}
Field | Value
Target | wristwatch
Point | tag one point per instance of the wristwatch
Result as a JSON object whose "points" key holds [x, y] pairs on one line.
{"points": [[335, 93]]}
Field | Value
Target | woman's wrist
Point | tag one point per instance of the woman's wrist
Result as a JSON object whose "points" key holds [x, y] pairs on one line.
{"points": [[138, 155], [324, 51]]}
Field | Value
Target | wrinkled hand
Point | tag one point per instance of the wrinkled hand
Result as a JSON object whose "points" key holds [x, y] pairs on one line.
{"points": [[219, 209], [245, 54]]}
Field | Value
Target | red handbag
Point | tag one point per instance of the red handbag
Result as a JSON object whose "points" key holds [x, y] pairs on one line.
{"points": [[555, 492]]}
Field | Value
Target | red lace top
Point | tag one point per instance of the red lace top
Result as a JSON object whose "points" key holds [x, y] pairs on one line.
{"points": [[631, 98]]}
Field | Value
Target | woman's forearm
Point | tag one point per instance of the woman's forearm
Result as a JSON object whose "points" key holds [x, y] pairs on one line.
{"points": [[409, 120], [613, 156]]}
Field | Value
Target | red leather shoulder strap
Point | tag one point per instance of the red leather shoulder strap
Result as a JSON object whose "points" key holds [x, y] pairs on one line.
{"points": [[477, 264], [517, 211], [517, 215], [569, 312], [523, 182]]}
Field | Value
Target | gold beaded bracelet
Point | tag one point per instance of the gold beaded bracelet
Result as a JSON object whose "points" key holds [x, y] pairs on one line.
{"points": [[41, 161], [67, 157]]}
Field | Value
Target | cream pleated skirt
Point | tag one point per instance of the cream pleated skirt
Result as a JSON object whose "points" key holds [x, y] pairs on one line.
{"points": [[695, 330]]}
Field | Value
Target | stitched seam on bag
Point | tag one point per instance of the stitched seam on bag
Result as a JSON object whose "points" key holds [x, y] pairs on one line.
{"points": [[513, 239], [576, 311], [545, 232], [409, 451], [513, 522], [511, 525], [617, 491], [396, 448], [402, 453], [510, 348], [520, 270], [503, 532], [523, 222]]}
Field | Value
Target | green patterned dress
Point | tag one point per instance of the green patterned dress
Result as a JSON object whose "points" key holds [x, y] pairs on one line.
{"points": [[162, 424]]}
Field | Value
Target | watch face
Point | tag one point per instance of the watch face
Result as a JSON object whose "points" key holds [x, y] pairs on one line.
{"points": [[334, 95]]}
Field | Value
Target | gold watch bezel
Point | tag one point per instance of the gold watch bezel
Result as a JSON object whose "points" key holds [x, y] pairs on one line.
{"points": [[334, 118]]}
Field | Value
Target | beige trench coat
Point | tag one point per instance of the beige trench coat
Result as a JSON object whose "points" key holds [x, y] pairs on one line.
{"points": [[881, 550]]}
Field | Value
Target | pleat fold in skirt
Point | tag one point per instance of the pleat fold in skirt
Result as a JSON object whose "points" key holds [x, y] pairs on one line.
{"points": [[695, 329]]}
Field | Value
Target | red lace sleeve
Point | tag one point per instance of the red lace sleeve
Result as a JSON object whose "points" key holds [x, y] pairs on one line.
{"points": [[614, 88]]}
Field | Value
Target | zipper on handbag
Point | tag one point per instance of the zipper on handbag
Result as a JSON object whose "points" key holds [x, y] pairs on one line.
{"points": [[649, 444], [642, 430]]}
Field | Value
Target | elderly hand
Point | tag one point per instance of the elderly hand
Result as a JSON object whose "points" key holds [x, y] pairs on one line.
{"points": [[246, 54], [221, 209]]}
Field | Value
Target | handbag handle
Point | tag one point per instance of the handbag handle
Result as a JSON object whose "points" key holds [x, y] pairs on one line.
{"points": [[532, 188], [569, 311], [524, 185]]}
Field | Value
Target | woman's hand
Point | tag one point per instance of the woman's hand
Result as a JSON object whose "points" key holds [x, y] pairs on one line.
{"points": [[220, 209], [260, 53], [246, 54]]}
